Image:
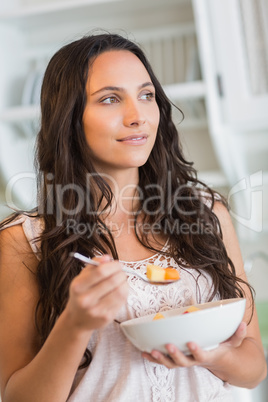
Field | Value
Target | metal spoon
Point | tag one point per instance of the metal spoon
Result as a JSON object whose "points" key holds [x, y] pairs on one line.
{"points": [[88, 260]]}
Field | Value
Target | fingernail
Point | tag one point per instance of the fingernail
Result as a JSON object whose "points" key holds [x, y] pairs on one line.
{"points": [[155, 355], [106, 257], [192, 347], [171, 349]]}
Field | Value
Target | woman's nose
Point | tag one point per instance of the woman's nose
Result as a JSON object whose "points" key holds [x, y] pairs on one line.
{"points": [[134, 115]]}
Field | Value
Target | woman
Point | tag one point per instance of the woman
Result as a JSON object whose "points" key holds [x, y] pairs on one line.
{"points": [[114, 185]]}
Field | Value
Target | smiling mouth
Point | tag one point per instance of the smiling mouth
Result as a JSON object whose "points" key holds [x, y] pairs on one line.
{"points": [[134, 138]]}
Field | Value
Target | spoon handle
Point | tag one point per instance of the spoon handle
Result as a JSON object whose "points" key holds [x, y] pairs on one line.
{"points": [[89, 260], [82, 258]]}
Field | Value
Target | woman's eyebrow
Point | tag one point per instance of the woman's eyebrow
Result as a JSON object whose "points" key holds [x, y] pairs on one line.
{"points": [[120, 89]]}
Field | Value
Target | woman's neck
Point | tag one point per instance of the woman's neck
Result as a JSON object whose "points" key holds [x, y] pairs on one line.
{"points": [[126, 195]]}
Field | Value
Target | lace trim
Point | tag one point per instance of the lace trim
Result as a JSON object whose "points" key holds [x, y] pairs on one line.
{"points": [[162, 378]]}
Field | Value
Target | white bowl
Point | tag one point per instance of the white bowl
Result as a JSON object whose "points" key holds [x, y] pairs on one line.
{"points": [[214, 323]]}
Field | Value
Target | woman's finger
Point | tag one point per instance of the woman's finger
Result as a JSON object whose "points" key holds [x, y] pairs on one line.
{"points": [[236, 339], [199, 355], [100, 290], [103, 312], [180, 358], [157, 357], [92, 275], [175, 357], [102, 258]]}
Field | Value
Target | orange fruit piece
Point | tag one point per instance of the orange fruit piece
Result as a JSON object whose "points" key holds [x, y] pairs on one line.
{"points": [[155, 273], [171, 273], [158, 316]]}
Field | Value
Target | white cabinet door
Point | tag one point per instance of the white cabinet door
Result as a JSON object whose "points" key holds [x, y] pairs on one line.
{"points": [[239, 44]]}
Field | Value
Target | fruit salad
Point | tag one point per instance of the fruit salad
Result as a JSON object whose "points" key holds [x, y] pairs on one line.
{"points": [[159, 274]]}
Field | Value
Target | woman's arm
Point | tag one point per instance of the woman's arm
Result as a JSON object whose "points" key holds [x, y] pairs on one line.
{"points": [[29, 372], [232, 361]]}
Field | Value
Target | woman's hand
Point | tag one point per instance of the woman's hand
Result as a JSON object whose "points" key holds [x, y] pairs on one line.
{"points": [[97, 294], [198, 357]]}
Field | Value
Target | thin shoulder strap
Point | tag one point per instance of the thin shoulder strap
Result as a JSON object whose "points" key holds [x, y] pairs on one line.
{"points": [[32, 228]]}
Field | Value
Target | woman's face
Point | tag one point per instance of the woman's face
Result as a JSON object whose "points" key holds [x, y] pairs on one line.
{"points": [[121, 116]]}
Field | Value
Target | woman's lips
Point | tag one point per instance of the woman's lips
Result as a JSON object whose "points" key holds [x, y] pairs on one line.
{"points": [[137, 139]]}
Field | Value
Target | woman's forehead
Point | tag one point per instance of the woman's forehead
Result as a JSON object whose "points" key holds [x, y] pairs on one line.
{"points": [[116, 67]]}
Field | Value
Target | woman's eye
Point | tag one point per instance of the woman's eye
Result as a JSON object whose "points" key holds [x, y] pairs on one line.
{"points": [[109, 100], [149, 96]]}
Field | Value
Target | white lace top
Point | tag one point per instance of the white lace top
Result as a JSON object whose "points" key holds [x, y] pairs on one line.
{"points": [[117, 372]]}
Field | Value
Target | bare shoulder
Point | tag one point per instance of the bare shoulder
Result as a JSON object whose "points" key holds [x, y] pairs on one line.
{"points": [[230, 240], [18, 298], [13, 237], [15, 247], [221, 211], [226, 224], [18, 266]]}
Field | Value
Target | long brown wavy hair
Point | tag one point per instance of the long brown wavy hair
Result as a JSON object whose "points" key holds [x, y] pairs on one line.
{"points": [[63, 163]]}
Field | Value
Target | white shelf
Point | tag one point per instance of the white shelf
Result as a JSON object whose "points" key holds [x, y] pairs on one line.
{"points": [[186, 90], [20, 113], [165, 32], [63, 9], [48, 8], [193, 124]]}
